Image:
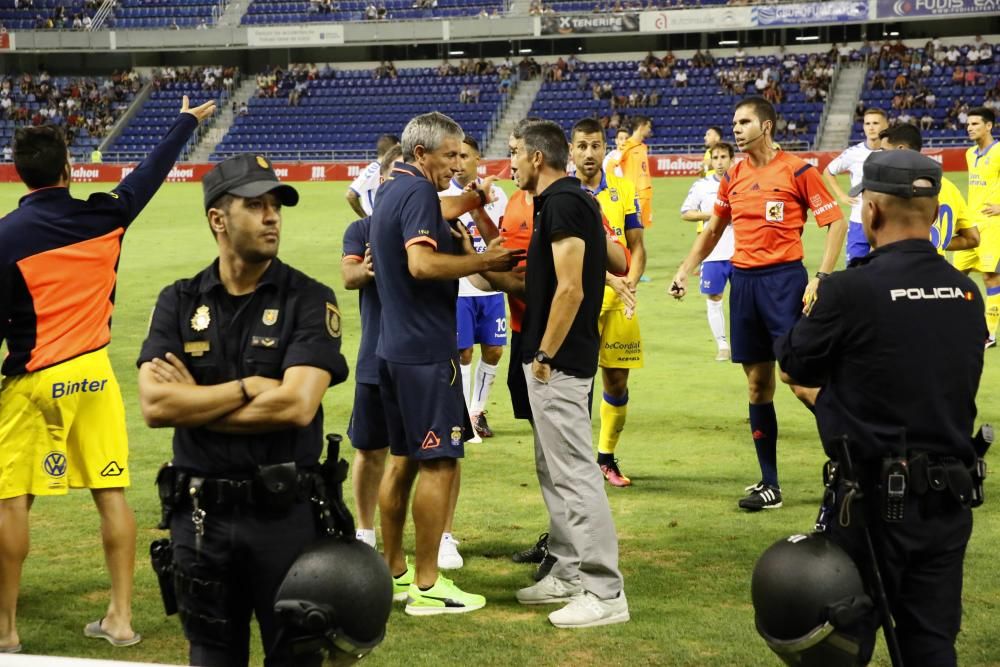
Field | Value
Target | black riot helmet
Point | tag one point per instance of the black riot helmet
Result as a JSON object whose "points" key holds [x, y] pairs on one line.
{"points": [[335, 601], [810, 604]]}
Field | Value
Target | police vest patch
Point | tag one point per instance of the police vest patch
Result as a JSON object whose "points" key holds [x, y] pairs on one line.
{"points": [[270, 316], [201, 319], [332, 320]]}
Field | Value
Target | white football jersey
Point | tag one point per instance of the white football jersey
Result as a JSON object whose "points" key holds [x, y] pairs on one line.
{"points": [[495, 210], [365, 185], [852, 161], [701, 197]]}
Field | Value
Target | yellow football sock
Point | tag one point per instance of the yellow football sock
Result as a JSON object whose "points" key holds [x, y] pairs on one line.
{"points": [[613, 412]]}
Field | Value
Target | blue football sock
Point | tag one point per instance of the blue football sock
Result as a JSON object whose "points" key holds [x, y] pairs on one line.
{"points": [[764, 428]]}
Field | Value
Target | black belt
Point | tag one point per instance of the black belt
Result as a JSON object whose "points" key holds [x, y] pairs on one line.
{"points": [[218, 492]]}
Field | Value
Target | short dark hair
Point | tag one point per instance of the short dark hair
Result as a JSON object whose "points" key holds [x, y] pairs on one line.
{"points": [[549, 139], [986, 114], [471, 143], [877, 112], [638, 120], [717, 130], [587, 126], [391, 157], [40, 155], [624, 129], [903, 134], [523, 124], [724, 146], [763, 109], [385, 142]]}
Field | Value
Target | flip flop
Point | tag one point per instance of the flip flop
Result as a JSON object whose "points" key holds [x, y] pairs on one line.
{"points": [[95, 631], [16, 648]]}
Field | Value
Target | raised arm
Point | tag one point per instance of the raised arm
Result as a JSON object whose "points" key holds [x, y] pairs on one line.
{"points": [[136, 189]]}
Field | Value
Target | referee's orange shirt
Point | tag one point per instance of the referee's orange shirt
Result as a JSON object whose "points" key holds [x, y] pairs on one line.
{"points": [[635, 167], [768, 206]]}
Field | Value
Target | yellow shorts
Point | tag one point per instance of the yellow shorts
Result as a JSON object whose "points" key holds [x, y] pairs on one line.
{"points": [[621, 343], [63, 427], [984, 258]]}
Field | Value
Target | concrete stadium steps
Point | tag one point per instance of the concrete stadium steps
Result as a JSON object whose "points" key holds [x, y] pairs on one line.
{"points": [[224, 121], [840, 108], [517, 108]]}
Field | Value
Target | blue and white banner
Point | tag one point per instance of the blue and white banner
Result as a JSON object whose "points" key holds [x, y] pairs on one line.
{"points": [[811, 13], [889, 9]]}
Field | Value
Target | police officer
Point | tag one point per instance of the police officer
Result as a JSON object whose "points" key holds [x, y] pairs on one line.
{"points": [[896, 345], [237, 360]]}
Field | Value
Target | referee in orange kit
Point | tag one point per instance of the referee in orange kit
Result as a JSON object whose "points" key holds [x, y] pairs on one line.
{"points": [[766, 197]]}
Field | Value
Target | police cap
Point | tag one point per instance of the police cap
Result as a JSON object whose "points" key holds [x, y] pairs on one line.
{"points": [[246, 175], [895, 172]]}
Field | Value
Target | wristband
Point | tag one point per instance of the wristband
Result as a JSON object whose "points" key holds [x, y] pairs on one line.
{"points": [[246, 395], [484, 199], [821, 275]]}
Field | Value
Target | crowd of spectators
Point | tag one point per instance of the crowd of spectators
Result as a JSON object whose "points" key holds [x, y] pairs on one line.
{"points": [[503, 71], [912, 75], [82, 106], [60, 17], [376, 11], [292, 83], [208, 78], [324, 6]]}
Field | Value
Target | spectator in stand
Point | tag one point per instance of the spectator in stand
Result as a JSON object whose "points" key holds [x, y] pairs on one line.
{"points": [[926, 122], [680, 78], [877, 82]]}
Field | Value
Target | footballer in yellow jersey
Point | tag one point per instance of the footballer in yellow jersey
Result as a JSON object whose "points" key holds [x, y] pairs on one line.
{"points": [[621, 344], [953, 230], [983, 161]]}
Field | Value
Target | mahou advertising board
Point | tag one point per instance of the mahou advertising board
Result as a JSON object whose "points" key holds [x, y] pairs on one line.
{"points": [[951, 159]]}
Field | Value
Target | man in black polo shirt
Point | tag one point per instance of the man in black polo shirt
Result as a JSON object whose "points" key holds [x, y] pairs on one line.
{"points": [[237, 360], [564, 290], [419, 262]]}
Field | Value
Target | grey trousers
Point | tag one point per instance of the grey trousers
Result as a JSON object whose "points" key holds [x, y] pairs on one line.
{"points": [[582, 534]]}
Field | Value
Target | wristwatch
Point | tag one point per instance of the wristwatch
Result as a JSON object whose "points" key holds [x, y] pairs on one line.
{"points": [[543, 358], [821, 275], [484, 198]]}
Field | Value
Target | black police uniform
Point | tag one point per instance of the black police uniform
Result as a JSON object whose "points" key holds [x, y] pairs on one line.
{"points": [[252, 529], [896, 345]]}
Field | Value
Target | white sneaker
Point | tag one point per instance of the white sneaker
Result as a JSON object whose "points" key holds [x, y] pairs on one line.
{"points": [[724, 354], [588, 610], [365, 535], [448, 556], [550, 590]]}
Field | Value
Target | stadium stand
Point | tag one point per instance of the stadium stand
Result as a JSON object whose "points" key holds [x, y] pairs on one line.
{"points": [[584, 7], [301, 11], [170, 14], [931, 87], [338, 112], [146, 128], [47, 14], [684, 96], [85, 107], [127, 14]]}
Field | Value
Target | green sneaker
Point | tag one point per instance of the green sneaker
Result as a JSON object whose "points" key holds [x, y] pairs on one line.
{"points": [[444, 597], [401, 584]]}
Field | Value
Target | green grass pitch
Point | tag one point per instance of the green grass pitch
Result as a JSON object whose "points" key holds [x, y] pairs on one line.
{"points": [[686, 550]]}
